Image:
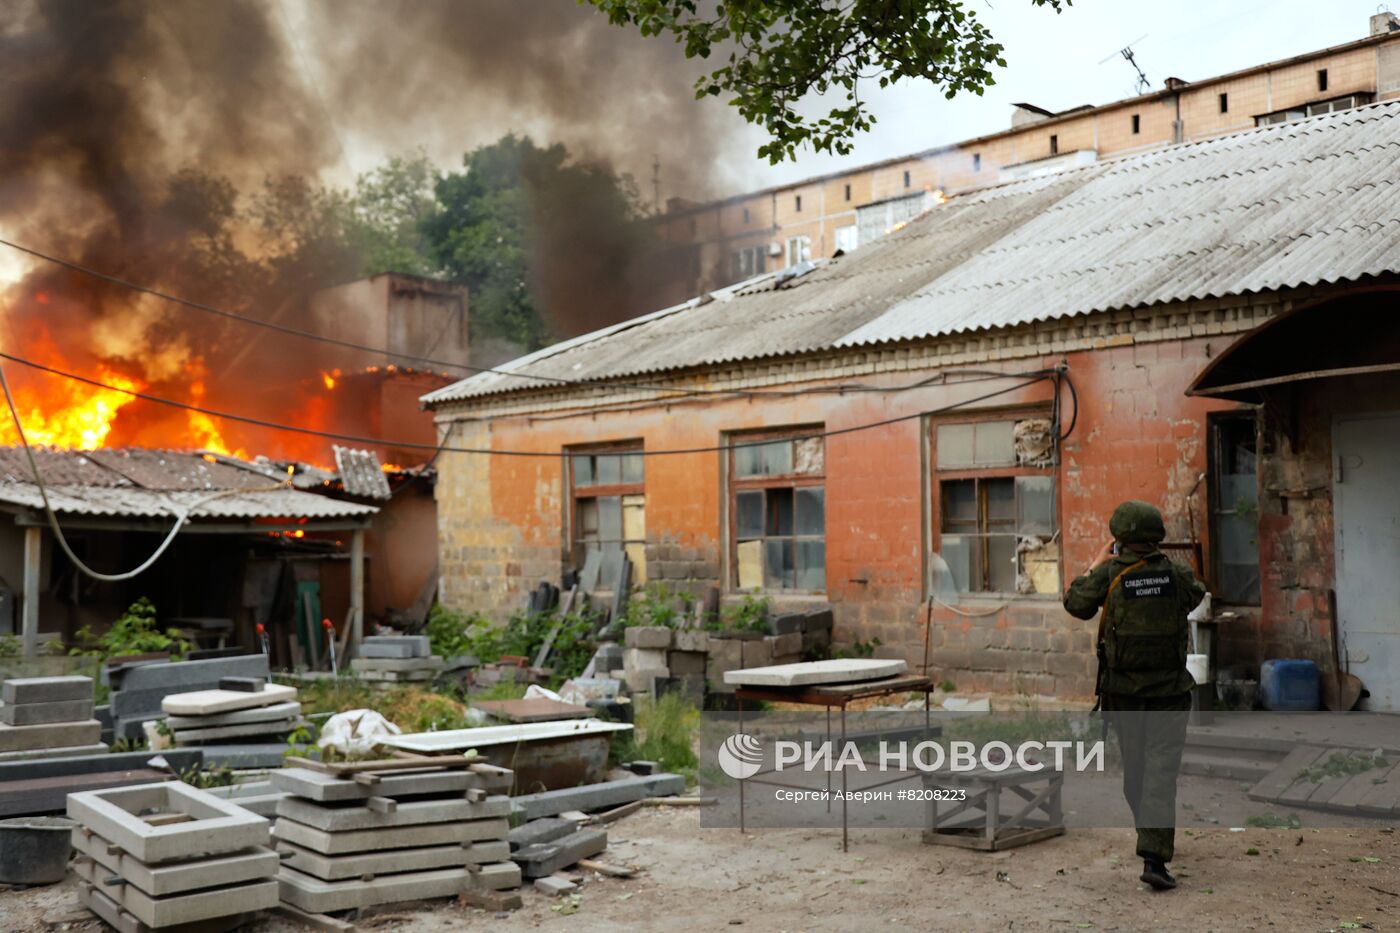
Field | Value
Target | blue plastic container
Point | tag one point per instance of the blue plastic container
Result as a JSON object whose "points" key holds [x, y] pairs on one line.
{"points": [[1289, 684]]}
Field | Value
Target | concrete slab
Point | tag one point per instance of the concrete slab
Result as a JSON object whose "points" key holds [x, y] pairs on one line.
{"points": [[358, 865], [535, 709], [18, 690], [834, 671], [249, 756], [49, 735], [491, 850], [597, 796], [643, 659], [340, 819], [180, 759], [216, 826], [30, 714], [177, 877], [313, 785], [317, 896], [44, 754], [419, 643], [402, 837], [396, 677], [196, 736], [107, 909], [500, 876], [397, 665], [484, 736], [691, 639], [389, 651], [240, 717], [554, 886], [541, 831], [244, 684], [182, 908], [204, 702], [264, 805], [542, 860], [647, 636]]}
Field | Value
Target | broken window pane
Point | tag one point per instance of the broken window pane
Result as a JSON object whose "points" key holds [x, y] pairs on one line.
{"points": [[778, 564], [959, 503], [994, 443], [1035, 505], [809, 454], [1001, 563], [954, 446], [587, 518], [633, 469], [811, 566], [609, 470], [811, 510], [779, 521], [583, 470], [748, 517], [1001, 501]]}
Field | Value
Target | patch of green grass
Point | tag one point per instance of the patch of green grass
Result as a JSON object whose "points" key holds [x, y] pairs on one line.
{"points": [[411, 708], [665, 733], [503, 690]]}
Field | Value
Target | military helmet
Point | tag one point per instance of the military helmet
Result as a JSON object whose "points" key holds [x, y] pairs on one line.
{"points": [[1137, 522]]}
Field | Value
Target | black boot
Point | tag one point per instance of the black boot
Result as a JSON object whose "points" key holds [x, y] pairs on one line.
{"points": [[1154, 872]]}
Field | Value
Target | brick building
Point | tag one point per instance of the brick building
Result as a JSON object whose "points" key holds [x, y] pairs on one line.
{"points": [[718, 243], [946, 417]]}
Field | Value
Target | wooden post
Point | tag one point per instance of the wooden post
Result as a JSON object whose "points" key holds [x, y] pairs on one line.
{"points": [[33, 554], [357, 590]]}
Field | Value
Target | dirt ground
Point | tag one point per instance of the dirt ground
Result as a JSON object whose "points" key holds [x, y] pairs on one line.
{"points": [[799, 880]]}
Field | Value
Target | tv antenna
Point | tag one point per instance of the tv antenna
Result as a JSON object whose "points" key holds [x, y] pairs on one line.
{"points": [[1126, 52]]}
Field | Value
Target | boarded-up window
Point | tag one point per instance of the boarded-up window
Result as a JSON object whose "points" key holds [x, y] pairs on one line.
{"points": [[778, 512], [1235, 507], [996, 530], [609, 517]]}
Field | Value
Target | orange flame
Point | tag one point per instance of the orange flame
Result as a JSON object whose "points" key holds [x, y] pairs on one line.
{"points": [[82, 419], [328, 379]]}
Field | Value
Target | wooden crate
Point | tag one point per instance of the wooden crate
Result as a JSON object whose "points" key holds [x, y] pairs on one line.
{"points": [[983, 820]]}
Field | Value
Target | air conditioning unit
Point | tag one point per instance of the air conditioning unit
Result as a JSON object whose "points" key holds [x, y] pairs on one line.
{"points": [[775, 248]]}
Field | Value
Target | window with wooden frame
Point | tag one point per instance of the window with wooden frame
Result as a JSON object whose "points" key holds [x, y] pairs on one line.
{"points": [[1234, 506], [777, 511], [608, 488], [995, 525]]}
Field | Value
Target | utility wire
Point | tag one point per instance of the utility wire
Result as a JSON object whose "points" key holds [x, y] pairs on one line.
{"points": [[350, 344], [182, 512], [417, 445]]}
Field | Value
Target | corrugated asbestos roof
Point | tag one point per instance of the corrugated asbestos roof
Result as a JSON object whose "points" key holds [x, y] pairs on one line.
{"points": [[1277, 207], [142, 483], [361, 473]]}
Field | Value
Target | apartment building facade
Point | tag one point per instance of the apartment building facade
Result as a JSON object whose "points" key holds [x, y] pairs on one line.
{"points": [[723, 242]]}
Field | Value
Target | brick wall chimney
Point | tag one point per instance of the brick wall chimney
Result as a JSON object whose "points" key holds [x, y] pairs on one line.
{"points": [[1382, 23]]}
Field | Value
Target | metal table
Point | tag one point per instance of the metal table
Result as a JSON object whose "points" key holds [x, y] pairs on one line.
{"points": [[832, 696]]}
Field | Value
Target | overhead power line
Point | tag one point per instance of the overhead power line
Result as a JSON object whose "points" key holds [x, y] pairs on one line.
{"points": [[417, 445], [352, 345]]}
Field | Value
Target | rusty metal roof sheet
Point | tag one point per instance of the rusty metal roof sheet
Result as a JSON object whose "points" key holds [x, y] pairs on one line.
{"points": [[1276, 207], [144, 483], [361, 473]]}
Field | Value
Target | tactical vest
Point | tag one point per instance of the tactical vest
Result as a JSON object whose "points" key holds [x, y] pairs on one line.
{"points": [[1145, 629]]}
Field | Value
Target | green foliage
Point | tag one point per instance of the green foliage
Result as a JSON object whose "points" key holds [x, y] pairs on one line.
{"points": [[133, 633], [10, 646], [947, 686], [204, 778], [453, 634], [778, 54], [665, 733], [657, 604], [749, 615], [518, 211], [502, 690], [1342, 764], [409, 707], [386, 212], [521, 636], [860, 649], [124, 744]]}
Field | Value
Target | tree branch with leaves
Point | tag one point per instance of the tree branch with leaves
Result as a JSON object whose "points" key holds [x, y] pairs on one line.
{"points": [[777, 54]]}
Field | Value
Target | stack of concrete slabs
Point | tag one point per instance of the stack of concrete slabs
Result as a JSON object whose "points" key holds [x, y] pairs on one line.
{"points": [[48, 717], [349, 842], [214, 715], [162, 856], [396, 658]]}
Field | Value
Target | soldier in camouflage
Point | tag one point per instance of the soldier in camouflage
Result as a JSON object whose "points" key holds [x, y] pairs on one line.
{"points": [[1144, 687]]}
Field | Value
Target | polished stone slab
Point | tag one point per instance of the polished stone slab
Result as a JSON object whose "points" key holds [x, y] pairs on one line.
{"points": [[205, 702], [810, 673]]}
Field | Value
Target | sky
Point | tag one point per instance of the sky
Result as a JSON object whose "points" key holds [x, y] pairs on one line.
{"points": [[1057, 61]]}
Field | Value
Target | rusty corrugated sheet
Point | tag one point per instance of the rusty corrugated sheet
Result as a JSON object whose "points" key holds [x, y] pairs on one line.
{"points": [[1277, 207], [148, 503]]}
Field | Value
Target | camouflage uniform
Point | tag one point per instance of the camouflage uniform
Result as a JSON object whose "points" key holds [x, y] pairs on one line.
{"points": [[1145, 688]]}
